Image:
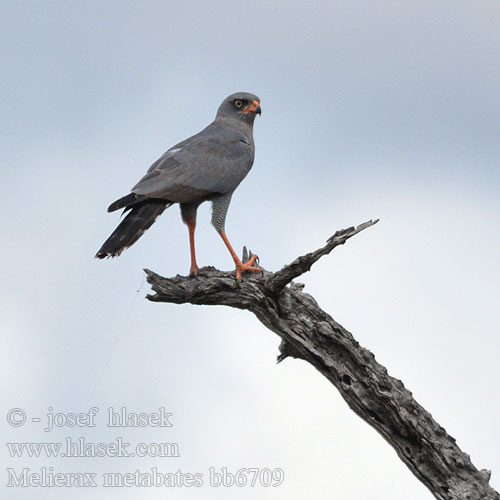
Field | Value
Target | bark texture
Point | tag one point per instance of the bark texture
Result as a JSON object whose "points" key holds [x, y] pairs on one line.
{"points": [[309, 333]]}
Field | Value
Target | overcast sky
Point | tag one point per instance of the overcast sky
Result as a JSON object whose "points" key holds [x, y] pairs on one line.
{"points": [[371, 109]]}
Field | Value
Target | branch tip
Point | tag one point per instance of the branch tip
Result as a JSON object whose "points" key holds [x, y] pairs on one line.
{"points": [[302, 264]]}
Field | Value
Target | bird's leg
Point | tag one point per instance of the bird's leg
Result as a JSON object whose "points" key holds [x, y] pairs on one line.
{"points": [[240, 266], [191, 224]]}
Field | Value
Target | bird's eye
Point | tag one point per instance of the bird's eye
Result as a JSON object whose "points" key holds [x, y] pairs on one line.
{"points": [[238, 103]]}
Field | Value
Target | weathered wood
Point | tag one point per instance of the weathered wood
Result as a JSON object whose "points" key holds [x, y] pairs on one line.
{"points": [[309, 333]]}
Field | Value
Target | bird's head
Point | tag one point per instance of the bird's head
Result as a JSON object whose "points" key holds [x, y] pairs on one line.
{"points": [[242, 106]]}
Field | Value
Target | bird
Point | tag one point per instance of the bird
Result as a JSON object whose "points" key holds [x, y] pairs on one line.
{"points": [[208, 166]]}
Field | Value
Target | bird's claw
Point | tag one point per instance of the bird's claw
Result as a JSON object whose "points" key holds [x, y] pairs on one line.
{"points": [[247, 266], [193, 271]]}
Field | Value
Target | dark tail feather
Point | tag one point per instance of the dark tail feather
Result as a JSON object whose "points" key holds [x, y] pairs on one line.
{"points": [[136, 223], [126, 201]]}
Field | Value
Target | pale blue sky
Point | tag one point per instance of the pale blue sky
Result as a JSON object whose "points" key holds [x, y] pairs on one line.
{"points": [[370, 109]]}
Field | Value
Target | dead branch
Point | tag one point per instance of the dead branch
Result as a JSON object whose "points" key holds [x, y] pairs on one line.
{"points": [[309, 333]]}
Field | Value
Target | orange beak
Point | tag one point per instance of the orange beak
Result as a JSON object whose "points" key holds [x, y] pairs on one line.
{"points": [[253, 107]]}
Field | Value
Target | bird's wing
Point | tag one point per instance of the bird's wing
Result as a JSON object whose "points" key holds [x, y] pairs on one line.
{"points": [[214, 161]]}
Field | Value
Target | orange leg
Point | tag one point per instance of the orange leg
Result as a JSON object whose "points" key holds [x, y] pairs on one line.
{"points": [[191, 225], [240, 266]]}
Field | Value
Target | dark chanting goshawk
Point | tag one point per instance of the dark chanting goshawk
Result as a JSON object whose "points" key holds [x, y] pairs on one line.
{"points": [[208, 166]]}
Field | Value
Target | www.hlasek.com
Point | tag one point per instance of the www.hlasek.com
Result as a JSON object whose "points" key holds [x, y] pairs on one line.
{"points": [[46, 477], [82, 447]]}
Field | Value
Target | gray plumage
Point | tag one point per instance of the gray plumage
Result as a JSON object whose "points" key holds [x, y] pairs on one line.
{"points": [[220, 204], [208, 166]]}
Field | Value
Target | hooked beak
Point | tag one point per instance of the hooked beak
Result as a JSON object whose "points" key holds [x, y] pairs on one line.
{"points": [[253, 107]]}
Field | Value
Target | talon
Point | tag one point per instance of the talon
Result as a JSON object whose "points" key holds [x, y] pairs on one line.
{"points": [[240, 266], [247, 266], [251, 261]]}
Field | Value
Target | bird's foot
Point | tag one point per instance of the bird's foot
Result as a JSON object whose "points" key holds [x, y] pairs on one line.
{"points": [[193, 270], [247, 266]]}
